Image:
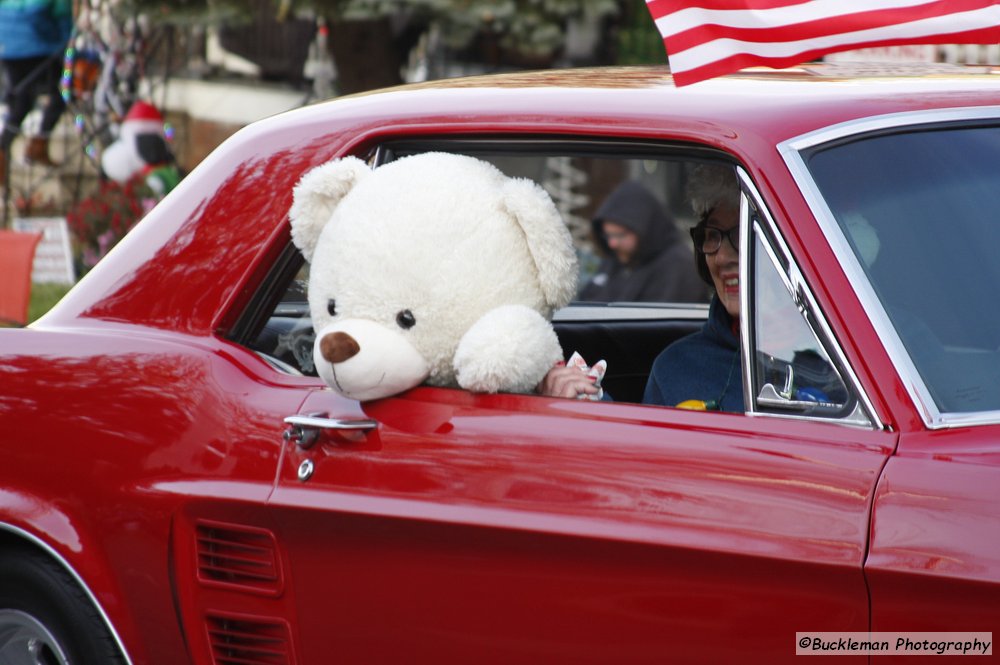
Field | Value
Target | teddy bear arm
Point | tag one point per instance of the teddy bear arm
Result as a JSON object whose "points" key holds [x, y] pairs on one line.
{"points": [[509, 349]]}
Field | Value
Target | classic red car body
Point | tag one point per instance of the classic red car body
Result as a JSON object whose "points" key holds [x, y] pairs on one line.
{"points": [[140, 445]]}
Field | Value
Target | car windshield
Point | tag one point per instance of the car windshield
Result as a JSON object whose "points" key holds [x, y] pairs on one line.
{"points": [[919, 209]]}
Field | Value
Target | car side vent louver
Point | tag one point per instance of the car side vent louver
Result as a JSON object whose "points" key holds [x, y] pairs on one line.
{"points": [[237, 556], [249, 641]]}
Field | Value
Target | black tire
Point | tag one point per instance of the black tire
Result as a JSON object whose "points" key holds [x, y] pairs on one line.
{"points": [[46, 618]]}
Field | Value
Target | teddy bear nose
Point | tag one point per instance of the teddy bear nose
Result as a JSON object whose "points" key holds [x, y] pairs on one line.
{"points": [[338, 347]]}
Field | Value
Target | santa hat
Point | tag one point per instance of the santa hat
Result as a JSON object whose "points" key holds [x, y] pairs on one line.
{"points": [[142, 118], [141, 142]]}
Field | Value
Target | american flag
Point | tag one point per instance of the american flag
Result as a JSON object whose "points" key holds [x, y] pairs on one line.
{"points": [[707, 38]]}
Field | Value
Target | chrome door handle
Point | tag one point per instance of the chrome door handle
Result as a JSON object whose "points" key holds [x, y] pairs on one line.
{"points": [[304, 430]]}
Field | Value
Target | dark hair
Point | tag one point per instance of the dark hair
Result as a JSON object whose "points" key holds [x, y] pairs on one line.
{"points": [[711, 184], [700, 262]]}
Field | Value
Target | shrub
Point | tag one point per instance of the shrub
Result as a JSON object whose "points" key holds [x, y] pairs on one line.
{"points": [[99, 221]]}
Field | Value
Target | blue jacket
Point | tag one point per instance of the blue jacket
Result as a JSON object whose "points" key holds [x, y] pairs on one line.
{"points": [[34, 28], [704, 365]]}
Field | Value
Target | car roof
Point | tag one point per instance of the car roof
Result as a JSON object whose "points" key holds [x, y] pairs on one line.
{"points": [[779, 104], [751, 107]]}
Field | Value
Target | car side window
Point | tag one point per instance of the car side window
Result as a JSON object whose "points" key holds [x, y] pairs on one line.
{"points": [[792, 370], [285, 340]]}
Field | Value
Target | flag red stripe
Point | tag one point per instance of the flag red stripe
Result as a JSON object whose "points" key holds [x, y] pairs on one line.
{"points": [[831, 26]]}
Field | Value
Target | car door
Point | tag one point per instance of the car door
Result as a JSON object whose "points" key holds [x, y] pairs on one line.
{"points": [[541, 530], [451, 527]]}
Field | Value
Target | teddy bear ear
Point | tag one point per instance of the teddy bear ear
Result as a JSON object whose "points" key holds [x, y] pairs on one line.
{"points": [[316, 196], [549, 240]]}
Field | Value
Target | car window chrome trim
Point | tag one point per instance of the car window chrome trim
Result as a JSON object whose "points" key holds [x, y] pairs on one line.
{"points": [[622, 311], [796, 282], [41, 544], [792, 152]]}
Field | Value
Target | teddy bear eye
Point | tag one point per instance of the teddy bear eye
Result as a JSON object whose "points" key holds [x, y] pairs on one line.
{"points": [[405, 319], [331, 307]]}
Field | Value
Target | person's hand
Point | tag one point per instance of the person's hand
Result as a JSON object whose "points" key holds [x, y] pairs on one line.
{"points": [[567, 381]]}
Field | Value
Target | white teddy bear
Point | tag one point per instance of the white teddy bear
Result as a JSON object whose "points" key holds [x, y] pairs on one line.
{"points": [[434, 268]]}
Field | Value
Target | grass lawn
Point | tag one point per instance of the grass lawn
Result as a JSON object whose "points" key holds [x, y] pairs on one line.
{"points": [[43, 297]]}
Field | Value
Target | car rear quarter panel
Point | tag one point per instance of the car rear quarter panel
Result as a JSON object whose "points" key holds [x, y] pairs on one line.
{"points": [[127, 420]]}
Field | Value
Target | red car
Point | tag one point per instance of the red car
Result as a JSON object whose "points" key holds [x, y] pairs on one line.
{"points": [[159, 502]]}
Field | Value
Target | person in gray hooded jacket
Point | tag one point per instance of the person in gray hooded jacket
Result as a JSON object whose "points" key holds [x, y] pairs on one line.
{"points": [[646, 259]]}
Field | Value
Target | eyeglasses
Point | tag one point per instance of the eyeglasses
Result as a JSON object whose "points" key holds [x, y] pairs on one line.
{"points": [[612, 237], [708, 239]]}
